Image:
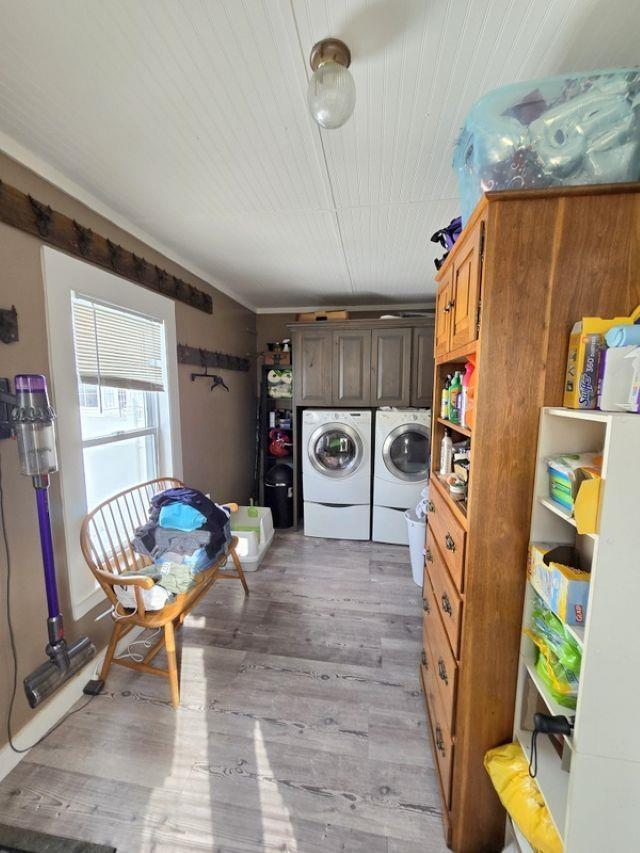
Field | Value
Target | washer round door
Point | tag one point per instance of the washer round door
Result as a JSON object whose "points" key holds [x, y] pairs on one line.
{"points": [[406, 452], [335, 450]]}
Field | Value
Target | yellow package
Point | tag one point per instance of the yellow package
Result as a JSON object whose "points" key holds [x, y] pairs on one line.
{"points": [[585, 344], [508, 769]]}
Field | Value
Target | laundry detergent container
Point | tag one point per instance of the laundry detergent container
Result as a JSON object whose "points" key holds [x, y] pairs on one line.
{"points": [[278, 490], [561, 131]]}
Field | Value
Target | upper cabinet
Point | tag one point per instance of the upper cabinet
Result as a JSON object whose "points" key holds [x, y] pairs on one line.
{"points": [[357, 365], [352, 367], [391, 367], [312, 368], [458, 297], [422, 367]]}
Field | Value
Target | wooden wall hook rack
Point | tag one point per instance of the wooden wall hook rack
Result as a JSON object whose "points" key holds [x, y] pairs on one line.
{"points": [[207, 358]]}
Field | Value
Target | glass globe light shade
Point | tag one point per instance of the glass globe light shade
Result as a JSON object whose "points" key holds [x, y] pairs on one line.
{"points": [[331, 95]]}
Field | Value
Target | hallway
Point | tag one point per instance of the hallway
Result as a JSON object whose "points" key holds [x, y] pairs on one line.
{"points": [[302, 726]]}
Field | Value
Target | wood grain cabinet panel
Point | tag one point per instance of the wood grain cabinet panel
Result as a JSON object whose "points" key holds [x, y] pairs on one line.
{"points": [[443, 312], [391, 367], [463, 307], [448, 600], [422, 367], [352, 367], [312, 368]]}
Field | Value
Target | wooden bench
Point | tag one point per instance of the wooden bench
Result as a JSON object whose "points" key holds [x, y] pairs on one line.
{"points": [[105, 539]]}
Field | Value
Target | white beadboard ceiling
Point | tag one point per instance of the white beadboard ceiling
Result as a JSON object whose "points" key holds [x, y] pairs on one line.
{"points": [[186, 121]]}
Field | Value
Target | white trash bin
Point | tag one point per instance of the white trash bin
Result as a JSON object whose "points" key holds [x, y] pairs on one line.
{"points": [[416, 529]]}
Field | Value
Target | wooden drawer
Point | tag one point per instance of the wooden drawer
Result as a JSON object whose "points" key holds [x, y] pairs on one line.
{"points": [[441, 738], [446, 596], [441, 661], [448, 533]]}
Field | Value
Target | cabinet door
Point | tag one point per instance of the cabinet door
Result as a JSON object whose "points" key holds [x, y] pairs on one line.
{"points": [[312, 368], [352, 367], [443, 313], [466, 289], [390, 367], [422, 367]]}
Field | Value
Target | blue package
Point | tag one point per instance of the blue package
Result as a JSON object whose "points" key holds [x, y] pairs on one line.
{"points": [[179, 516], [581, 128]]}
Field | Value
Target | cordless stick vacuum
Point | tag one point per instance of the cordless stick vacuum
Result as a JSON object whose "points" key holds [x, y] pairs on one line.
{"points": [[32, 420]]}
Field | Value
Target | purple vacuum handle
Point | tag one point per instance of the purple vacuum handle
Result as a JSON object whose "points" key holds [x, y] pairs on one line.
{"points": [[46, 542]]}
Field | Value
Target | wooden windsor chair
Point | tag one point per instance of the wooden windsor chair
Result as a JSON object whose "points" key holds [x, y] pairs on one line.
{"points": [[105, 539]]}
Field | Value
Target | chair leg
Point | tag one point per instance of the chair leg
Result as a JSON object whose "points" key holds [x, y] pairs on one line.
{"points": [[238, 565], [172, 663], [111, 650]]}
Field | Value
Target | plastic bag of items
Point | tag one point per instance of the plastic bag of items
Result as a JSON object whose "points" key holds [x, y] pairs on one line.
{"points": [[559, 656], [576, 129]]}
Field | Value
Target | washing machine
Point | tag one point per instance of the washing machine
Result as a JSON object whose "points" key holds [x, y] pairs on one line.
{"points": [[336, 473], [400, 469]]}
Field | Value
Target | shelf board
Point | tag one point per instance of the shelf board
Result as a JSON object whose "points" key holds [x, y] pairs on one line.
{"points": [[551, 779], [457, 355], [455, 427], [558, 510], [554, 707], [458, 508]]}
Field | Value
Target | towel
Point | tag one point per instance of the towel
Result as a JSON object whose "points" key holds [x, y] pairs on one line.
{"points": [[623, 336]]}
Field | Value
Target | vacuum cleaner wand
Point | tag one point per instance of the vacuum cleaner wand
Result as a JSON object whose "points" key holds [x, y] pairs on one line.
{"points": [[33, 419]]}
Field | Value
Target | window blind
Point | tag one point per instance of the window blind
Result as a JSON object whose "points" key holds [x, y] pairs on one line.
{"points": [[117, 348]]}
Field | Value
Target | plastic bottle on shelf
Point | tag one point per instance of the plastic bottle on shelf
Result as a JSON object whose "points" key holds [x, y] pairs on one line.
{"points": [[454, 392], [446, 454], [464, 397], [444, 404]]}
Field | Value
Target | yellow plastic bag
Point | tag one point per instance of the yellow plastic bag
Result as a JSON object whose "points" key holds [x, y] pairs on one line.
{"points": [[508, 769]]}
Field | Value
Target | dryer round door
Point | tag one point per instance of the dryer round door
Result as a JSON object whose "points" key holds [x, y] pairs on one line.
{"points": [[335, 450], [406, 452]]}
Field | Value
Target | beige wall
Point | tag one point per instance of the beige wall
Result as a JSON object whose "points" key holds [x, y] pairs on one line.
{"points": [[218, 429]]}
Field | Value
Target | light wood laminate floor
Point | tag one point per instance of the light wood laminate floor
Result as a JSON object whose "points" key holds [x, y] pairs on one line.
{"points": [[302, 726]]}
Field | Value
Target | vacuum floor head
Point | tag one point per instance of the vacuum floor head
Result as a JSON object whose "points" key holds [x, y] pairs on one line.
{"points": [[50, 675]]}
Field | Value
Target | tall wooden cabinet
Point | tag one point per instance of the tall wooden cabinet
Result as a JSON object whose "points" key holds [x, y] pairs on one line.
{"points": [[526, 267]]}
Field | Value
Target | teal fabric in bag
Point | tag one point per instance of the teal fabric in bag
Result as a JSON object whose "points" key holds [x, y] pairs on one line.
{"points": [[179, 516]]}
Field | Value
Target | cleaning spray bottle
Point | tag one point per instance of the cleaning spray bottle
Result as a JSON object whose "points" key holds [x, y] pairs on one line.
{"points": [[444, 404], [454, 392], [464, 397]]}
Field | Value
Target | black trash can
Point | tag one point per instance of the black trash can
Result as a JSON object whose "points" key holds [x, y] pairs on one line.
{"points": [[278, 490]]}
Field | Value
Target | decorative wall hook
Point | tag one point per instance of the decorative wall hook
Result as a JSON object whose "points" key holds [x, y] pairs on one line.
{"points": [[43, 216], [114, 253], [139, 266], [85, 236]]}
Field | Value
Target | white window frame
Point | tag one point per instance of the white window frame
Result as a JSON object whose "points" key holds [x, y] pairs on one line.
{"points": [[64, 277]]}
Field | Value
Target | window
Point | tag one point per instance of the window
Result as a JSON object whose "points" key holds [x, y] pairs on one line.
{"points": [[115, 391], [120, 368]]}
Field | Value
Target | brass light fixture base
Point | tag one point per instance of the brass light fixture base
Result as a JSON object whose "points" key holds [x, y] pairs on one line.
{"points": [[329, 50]]}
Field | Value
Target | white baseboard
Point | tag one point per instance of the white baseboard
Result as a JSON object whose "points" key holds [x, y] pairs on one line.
{"points": [[54, 710]]}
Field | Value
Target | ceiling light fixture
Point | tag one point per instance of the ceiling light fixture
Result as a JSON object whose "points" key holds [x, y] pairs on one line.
{"points": [[332, 92]]}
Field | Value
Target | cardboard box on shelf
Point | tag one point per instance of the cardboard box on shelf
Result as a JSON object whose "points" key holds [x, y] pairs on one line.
{"points": [[554, 573]]}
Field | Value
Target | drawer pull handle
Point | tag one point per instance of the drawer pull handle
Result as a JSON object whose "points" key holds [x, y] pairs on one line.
{"points": [[431, 507], [428, 555], [439, 741], [423, 658], [449, 543], [442, 671], [425, 606], [446, 604]]}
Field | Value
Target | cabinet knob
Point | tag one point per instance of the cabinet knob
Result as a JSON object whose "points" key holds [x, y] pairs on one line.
{"points": [[425, 606], [439, 740], [446, 604], [450, 545], [431, 507], [428, 555], [442, 671], [423, 659]]}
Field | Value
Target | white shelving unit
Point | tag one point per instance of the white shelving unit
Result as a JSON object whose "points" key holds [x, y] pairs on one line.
{"points": [[593, 791]]}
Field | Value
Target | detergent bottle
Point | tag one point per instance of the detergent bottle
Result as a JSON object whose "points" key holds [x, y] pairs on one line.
{"points": [[454, 392], [444, 404], [464, 397]]}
